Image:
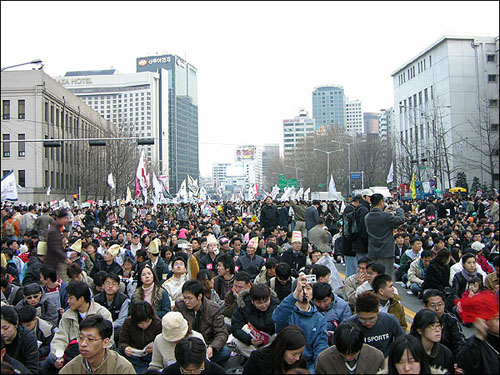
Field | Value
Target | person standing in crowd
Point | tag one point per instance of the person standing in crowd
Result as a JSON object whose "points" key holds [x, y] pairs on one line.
{"points": [[269, 216], [56, 256], [312, 215], [360, 242], [380, 226], [320, 237], [347, 252], [299, 212]]}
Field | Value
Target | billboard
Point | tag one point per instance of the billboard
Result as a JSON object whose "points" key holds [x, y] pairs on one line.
{"points": [[245, 153]]}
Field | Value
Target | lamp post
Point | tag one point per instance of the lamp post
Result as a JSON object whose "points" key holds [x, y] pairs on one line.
{"points": [[327, 161], [37, 61], [348, 158]]}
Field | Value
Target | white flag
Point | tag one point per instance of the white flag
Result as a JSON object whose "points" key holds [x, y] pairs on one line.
{"points": [[141, 173], [390, 176], [299, 194], [111, 182], [157, 187], [48, 191], [182, 193], [275, 191], [129, 195], [9, 187], [203, 194], [332, 189], [306, 194]]}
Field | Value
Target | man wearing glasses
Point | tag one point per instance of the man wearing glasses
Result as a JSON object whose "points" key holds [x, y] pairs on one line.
{"points": [[45, 308], [95, 357], [451, 335], [380, 329]]}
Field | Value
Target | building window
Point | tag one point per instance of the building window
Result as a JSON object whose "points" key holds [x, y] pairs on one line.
{"points": [[52, 179], [21, 146], [492, 77], [6, 109], [52, 114], [21, 175], [6, 146], [46, 112], [21, 109], [493, 103], [5, 172], [490, 58], [46, 182]]}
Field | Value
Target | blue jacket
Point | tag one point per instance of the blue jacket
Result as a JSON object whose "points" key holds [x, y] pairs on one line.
{"points": [[312, 217], [312, 323], [336, 313]]}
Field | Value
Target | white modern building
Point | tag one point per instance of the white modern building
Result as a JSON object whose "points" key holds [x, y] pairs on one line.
{"points": [[219, 173], [296, 130], [386, 124], [354, 117], [442, 98], [37, 107]]}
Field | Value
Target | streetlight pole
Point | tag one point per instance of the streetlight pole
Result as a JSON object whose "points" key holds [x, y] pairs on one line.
{"points": [[327, 161], [348, 158], [37, 61]]}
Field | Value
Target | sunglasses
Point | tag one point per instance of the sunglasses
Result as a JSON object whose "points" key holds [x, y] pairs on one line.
{"points": [[34, 296]]}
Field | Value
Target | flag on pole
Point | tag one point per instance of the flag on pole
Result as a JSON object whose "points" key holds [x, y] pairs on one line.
{"points": [[48, 191], [157, 187], [390, 176], [182, 193], [129, 195], [9, 187], [332, 188], [412, 187], [299, 194], [141, 173], [111, 182], [275, 191], [137, 189], [306, 194]]}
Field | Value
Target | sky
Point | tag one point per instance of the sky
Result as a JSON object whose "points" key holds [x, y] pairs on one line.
{"points": [[257, 62]]}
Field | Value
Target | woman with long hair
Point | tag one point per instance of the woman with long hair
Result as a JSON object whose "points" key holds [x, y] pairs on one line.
{"points": [[283, 354], [438, 272], [407, 356], [150, 290], [428, 329]]}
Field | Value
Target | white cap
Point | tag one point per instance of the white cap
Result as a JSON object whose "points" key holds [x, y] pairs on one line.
{"points": [[367, 192]]}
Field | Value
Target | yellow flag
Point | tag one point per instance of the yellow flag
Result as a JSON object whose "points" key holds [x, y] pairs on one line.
{"points": [[412, 187]]}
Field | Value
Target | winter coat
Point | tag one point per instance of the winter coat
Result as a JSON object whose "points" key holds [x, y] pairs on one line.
{"points": [[160, 300], [299, 211], [370, 360], [297, 262], [42, 224], [109, 268], [44, 332], [312, 323], [347, 243], [161, 269], [174, 288], [222, 286], [55, 252], [442, 357], [135, 337], [246, 313], [69, 327], [320, 238], [406, 259], [250, 265], [460, 284], [113, 364], [312, 217], [46, 309], [283, 212], [24, 349], [478, 356], [416, 273], [32, 273], [336, 313], [396, 309], [380, 228], [360, 243], [350, 286], [212, 325], [437, 277], [451, 334], [269, 216]]}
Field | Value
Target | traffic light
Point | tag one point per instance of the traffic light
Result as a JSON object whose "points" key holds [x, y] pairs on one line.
{"points": [[75, 197], [145, 141]]}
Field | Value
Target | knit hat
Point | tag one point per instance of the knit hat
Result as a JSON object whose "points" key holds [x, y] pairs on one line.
{"points": [[212, 239], [253, 243], [77, 246], [30, 289], [41, 248], [296, 236], [154, 246], [174, 326], [114, 250], [182, 233]]}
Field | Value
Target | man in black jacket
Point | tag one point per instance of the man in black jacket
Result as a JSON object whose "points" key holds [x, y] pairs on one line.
{"points": [[35, 263], [360, 243], [269, 216], [347, 252], [294, 256]]}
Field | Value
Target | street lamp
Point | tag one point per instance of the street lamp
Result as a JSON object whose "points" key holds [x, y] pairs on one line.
{"points": [[348, 157], [37, 61], [327, 161]]}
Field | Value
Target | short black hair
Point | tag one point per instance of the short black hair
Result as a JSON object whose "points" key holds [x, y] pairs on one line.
{"points": [[99, 278], [320, 270], [271, 263], [10, 314], [73, 270], [259, 292], [367, 302], [283, 271], [364, 259], [356, 198], [140, 312], [429, 293], [190, 351], [48, 272], [321, 291], [349, 338], [78, 289], [242, 276], [141, 253], [27, 313], [113, 276], [103, 326], [466, 256], [204, 275], [192, 286], [227, 262], [380, 281], [426, 254], [379, 268], [376, 199]]}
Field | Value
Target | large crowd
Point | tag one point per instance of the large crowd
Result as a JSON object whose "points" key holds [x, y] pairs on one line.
{"points": [[251, 287]]}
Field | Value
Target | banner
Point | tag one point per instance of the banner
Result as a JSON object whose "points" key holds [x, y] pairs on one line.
{"points": [[141, 173], [306, 194], [9, 187], [48, 191], [111, 181], [412, 187], [390, 176], [332, 188], [129, 195], [137, 189]]}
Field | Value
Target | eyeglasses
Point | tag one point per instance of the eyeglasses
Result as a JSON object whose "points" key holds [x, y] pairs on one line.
{"points": [[436, 305], [81, 339], [195, 371], [34, 296], [436, 326], [367, 320]]}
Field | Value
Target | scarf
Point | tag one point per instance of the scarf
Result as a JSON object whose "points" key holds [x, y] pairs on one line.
{"points": [[468, 275], [148, 293]]}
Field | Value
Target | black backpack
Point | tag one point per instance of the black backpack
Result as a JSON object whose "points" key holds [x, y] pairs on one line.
{"points": [[350, 226]]}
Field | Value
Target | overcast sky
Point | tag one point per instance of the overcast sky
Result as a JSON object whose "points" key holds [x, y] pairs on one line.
{"points": [[258, 62]]}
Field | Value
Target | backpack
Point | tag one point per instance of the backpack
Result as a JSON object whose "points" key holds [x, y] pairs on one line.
{"points": [[350, 226], [9, 228]]}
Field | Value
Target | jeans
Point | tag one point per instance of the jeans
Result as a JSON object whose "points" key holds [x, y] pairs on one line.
{"points": [[221, 356], [351, 266], [415, 289], [140, 364]]}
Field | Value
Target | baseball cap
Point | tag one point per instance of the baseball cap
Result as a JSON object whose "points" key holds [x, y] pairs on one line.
{"points": [[367, 192]]}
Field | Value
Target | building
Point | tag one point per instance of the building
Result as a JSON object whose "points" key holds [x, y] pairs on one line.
{"points": [[179, 119], [296, 130], [370, 121], [219, 173], [130, 101], [36, 107], [329, 106], [386, 124], [446, 101], [267, 154], [354, 117]]}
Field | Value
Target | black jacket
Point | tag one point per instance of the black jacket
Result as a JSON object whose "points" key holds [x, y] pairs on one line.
{"points": [[347, 243], [478, 356], [451, 335], [103, 266], [436, 277], [360, 243], [210, 368], [116, 305], [246, 312], [269, 216], [24, 349], [295, 261], [459, 284], [32, 274], [261, 362], [442, 357]]}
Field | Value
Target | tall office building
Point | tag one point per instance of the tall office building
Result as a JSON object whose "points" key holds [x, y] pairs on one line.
{"points": [[329, 106], [354, 117], [441, 96], [219, 173], [370, 120], [267, 154], [386, 124], [296, 130], [179, 119]]}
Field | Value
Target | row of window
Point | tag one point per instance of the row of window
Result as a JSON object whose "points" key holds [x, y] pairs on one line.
{"points": [[21, 109], [21, 146]]}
